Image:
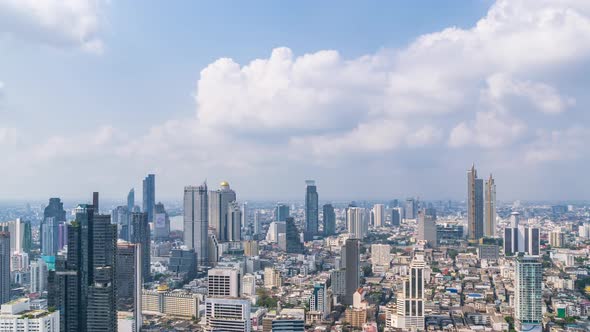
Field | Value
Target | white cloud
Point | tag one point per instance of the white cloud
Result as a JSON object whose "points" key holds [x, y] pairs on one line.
{"points": [[558, 145], [69, 23], [8, 136]]}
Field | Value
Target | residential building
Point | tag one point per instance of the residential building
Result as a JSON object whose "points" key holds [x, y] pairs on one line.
{"points": [[223, 282], [378, 215], [528, 293]]}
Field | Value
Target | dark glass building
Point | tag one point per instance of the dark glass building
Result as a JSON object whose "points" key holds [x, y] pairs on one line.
{"points": [[4, 267], [141, 234], [149, 196], [352, 282], [294, 244], [329, 220], [311, 210]]}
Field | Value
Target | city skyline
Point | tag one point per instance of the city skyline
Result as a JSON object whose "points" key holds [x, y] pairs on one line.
{"points": [[338, 98]]}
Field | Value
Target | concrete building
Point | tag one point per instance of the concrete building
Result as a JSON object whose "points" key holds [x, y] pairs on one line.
{"points": [[427, 228], [490, 207], [228, 315], [18, 316], [38, 276], [149, 196], [357, 220], [223, 282], [378, 215], [352, 264], [272, 278], [381, 254], [475, 205], [557, 238], [249, 285], [176, 304], [196, 224], [311, 210], [4, 267], [329, 218], [410, 302]]}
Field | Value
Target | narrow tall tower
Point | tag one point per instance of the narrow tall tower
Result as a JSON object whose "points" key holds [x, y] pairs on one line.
{"points": [[410, 303], [218, 211], [311, 210], [149, 196], [4, 267], [474, 205], [490, 207], [528, 299], [196, 223]]}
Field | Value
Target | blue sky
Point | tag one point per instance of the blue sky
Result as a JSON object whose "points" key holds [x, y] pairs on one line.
{"points": [[373, 99]]}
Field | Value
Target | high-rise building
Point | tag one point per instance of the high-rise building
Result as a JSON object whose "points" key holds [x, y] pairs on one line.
{"points": [[149, 196], [120, 217], [319, 299], [131, 200], [272, 278], [4, 267], [410, 302], [311, 210], [474, 205], [338, 282], [218, 210], [557, 238], [329, 220], [38, 276], [129, 273], [357, 222], [427, 228], [249, 285], [84, 292], [257, 224], [234, 222], [223, 282], [378, 215], [213, 250], [394, 216], [53, 215], [490, 207], [352, 280], [381, 254], [293, 239], [196, 224], [228, 315], [520, 238], [141, 234], [528, 301], [281, 212], [161, 222], [410, 209]]}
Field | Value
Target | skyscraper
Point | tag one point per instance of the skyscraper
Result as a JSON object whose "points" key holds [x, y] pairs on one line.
{"points": [[490, 207], [53, 215], [410, 303], [427, 228], [141, 234], [149, 196], [528, 302], [474, 205], [329, 220], [378, 215], [95, 201], [520, 238], [196, 224], [357, 222], [311, 210], [218, 210], [294, 244], [352, 281], [281, 212], [395, 217], [4, 267], [410, 209], [38, 276], [131, 200], [234, 222], [125, 275], [85, 281], [318, 301], [161, 222]]}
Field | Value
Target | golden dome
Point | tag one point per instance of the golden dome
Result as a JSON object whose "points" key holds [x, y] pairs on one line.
{"points": [[225, 184], [162, 288]]}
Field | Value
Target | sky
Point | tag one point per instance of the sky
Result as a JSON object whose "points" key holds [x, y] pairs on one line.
{"points": [[372, 99]]}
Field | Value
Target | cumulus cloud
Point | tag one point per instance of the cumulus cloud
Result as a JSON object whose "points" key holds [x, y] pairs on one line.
{"points": [[558, 145], [61, 23]]}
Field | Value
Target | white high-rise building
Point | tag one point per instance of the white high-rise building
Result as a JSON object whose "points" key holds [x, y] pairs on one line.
{"points": [[274, 229], [196, 224], [410, 303], [223, 282], [228, 315], [584, 231], [528, 294], [381, 254], [38, 276], [249, 285], [318, 301], [378, 215], [357, 222]]}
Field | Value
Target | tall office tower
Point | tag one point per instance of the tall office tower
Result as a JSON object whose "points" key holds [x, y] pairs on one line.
{"points": [[293, 239], [272, 278], [228, 315], [38, 276], [410, 209], [125, 275], [218, 210], [352, 250], [244, 214], [319, 299], [249, 285], [85, 282], [379, 215], [161, 222], [131, 200], [149, 196], [557, 238], [427, 228], [528, 300], [257, 223], [474, 205], [213, 249], [381, 254], [410, 303], [27, 236], [141, 234], [311, 210], [394, 216], [234, 222], [196, 224], [55, 210], [223, 282], [95, 201], [490, 207], [281, 212], [329, 220], [4, 267], [531, 237], [357, 222], [338, 282]]}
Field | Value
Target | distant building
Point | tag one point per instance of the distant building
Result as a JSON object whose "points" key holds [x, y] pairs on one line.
{"points": [[250, 248], [196, 225], [287, 323], [329, 220], [161, 222], [272, 278], [410, 209], [394, 216], [520, 239], [177, 304], [311, 210], [357, 222], [427, 228], [131, 200], [223, 282], [449, 233], [4, 267], [490, 208], [378, 215], [228, 315], [319, 299], [293, 240], [281, 212], [149, 196], [249, 285], [489, 252], [557, 239], [475, 205], [183, 261], [219, 201], [381, 254], [234, 222], [338, 282], [141, 234], [352, 264], [39, 273]]}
